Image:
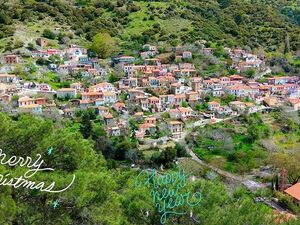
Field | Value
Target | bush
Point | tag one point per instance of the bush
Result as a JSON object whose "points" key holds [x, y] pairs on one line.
{"points": [[18, 44], [181, 150], [48, 34]]}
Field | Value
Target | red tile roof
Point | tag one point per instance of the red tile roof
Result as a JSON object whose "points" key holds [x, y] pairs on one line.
{"points": [[294, 191]]}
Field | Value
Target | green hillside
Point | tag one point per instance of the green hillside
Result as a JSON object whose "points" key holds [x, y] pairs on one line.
{"points": [[250, 23]]}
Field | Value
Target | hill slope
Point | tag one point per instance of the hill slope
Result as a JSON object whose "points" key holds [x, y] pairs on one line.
{"points": [[253, 23]]}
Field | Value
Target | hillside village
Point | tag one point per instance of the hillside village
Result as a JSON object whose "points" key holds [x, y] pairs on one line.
{"points": [[158, 112], [152, 97], [164, 99]]}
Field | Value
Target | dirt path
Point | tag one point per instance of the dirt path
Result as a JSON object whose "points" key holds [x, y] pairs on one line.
{"points": [[249, 184]]}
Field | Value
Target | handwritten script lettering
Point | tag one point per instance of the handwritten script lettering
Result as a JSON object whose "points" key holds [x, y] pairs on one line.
{"points": [[34, 166], [166, 192]]}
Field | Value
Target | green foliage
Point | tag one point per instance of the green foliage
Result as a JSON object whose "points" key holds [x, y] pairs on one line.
{"points": [[103, 45], [165, 157], [31, 68], [180, 150], [18, 44], [101, 196], [201, 107], [113, 78], [184, 104], [286, 202], [290, 162], [86, 125], [264, 23], [258, 131], [55, 59], [228, 98], [250, 73], [49, 34], [235, 148], [31, 47]]}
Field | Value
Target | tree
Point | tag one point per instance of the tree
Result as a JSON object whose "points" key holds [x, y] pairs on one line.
{"points": [[181, 150], [122, 147], [224, 3], [55, 59], [86, 125], [48, 34], [91, 200], [165, 157], [4, 19], [31, 68], [113, 78], [287, 47], [18, 44], [184, 104], [258, 131], [9, 46], [289, 161], [31, 47], [103, 45], [101, 196], [228, 98], [219, 51], [7, 203], [250, 73]]}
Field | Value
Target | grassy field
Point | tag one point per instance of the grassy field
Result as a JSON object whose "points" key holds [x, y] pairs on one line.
{"points": [[191, 166], [140, 21]]}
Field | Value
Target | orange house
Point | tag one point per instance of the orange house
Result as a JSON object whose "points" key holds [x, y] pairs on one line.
{"points": [[40, 101]]}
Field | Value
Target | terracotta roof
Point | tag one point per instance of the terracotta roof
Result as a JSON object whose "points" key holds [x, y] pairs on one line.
{"points": [[179, 96], [175, 122], [139, 114], [236, 76], [153, 98], [294, 191], [150, 118], [213, 103], [241, 87], [146, 126], [294, 101], [10, 56], [85, 101], [126, 57], [182, 109], [174, 111], [30, 106], [102, 108], [282, 217], [192, 93], [236, 103], [249, 104], [101, 85], [25, 99], [108, 116], [7, 75], [91, 93], [119, 105], [65, 89], [109, 93]]}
